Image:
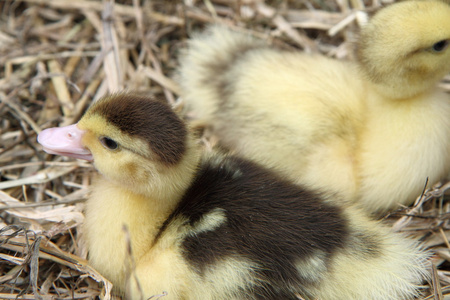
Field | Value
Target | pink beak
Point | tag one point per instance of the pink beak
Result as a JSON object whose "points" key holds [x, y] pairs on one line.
{"points": [[64, 141]]}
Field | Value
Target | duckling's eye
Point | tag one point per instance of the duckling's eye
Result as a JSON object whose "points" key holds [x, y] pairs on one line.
{"points": [[440, 46], [109, 143]]}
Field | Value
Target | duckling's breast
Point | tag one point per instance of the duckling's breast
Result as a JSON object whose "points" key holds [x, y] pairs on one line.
{"points": [[406, 144]]}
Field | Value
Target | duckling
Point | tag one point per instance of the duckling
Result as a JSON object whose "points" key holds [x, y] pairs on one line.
{"points": [[212, 226], [372, 131]]}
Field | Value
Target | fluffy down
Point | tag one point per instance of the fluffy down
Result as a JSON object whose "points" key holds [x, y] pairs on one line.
{"points": [[372, 131], [220, 227]]}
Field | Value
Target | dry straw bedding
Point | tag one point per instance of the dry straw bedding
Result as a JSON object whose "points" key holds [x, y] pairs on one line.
{"points": [[56, 56]]}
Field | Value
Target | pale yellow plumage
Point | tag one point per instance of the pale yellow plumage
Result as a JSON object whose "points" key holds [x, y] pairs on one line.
{"points": [[372, 131]]}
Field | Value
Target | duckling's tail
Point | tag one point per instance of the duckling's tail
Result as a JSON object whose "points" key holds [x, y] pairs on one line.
{"points": [[378, 264], [206, 68]]}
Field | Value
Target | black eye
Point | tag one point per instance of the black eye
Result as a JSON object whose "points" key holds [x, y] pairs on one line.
{"points": [[109, 143], [440, 46]]}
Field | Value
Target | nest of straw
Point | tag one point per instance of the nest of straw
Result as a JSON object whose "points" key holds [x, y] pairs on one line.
{"points": [[56, 56]]}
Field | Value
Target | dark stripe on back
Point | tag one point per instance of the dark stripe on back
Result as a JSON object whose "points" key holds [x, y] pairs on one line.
{"points": [[217, 69], [149, 119], [269, 221]]}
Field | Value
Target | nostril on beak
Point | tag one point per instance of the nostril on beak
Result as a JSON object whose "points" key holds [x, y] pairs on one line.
{"points": [[72, 134]]}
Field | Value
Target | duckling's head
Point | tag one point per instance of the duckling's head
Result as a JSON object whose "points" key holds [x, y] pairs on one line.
{"points": [[404, 49], [137, 142]]}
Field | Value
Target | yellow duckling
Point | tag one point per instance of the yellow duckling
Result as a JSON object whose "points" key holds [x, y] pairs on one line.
{"points": [[372, 131], [219, 227]]}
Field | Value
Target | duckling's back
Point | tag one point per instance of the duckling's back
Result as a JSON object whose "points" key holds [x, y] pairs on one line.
{"points": [[271, 105], [353, 128], [248, 234]]}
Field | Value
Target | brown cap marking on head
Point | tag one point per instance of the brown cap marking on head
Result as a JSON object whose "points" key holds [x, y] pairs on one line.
{"points": [[149, 119]]}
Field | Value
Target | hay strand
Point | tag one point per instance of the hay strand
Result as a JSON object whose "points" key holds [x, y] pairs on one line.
{"points": [[56, 57]]}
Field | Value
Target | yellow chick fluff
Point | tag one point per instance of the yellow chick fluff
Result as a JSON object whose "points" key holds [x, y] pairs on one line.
{"points": [[372, 131]]}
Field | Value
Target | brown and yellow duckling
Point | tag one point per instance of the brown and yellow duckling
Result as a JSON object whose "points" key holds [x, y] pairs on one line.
{"points": [[371, 131], [219, 227]]}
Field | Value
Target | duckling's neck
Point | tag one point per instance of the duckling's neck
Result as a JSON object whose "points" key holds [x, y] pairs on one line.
{"points": [[118, 216], [169, 183], [403, 88], [151, 195], [120, 227], [393, 80]]}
